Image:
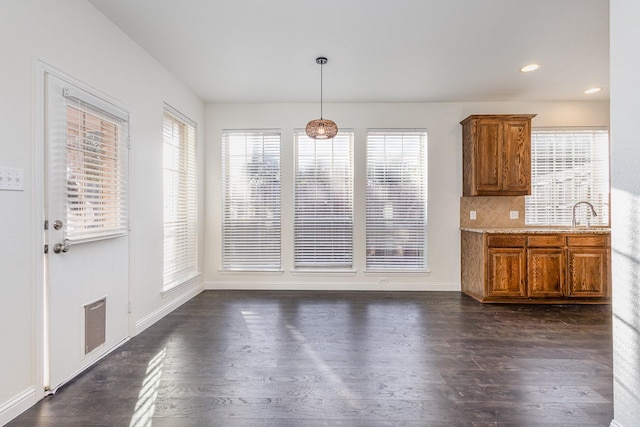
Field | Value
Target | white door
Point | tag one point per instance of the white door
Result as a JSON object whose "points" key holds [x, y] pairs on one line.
{"points": [[87, 256]]}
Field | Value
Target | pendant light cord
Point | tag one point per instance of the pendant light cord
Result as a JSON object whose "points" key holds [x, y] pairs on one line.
{"points": [[321, 65]]}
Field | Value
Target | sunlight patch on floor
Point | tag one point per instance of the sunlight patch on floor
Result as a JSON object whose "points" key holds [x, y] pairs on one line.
{"points": [[146, 404], [322, 365]]}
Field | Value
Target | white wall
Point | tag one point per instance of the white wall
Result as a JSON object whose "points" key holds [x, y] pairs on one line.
{"points": [[625, 141], [75, 38], [445, 182]]}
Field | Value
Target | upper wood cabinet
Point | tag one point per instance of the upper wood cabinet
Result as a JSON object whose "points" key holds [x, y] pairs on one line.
{"points": [[496, 155]]}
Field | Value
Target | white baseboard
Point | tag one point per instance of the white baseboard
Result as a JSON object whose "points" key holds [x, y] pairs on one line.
{"points": [[14, 407], [153, 317], [615, 424], [330, 285]]}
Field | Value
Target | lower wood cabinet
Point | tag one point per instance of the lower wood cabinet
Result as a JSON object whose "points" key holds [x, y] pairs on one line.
{"points": [[506, 272], [546, 272], [536, 268]]}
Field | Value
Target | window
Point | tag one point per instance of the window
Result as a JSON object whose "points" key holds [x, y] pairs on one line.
{"points": [[568, 166], [323, 201], [180, 199], [396, 200], [96, 168], [251, 205]]}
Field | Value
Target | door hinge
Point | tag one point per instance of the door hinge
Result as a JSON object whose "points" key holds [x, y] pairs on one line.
{"points": [[130, 310], [46, 224], [46, 249]]}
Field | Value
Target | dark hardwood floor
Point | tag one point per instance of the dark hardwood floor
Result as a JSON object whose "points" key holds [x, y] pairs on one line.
{"points": [[231, 358]]}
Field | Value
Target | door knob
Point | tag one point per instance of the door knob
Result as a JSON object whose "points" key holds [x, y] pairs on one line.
{"points": [[61, 247], [57, 224]]}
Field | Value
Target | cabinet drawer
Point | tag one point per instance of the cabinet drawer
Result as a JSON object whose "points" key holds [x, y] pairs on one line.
{"points": [[506, 241], [542, 241], [596, 240]]}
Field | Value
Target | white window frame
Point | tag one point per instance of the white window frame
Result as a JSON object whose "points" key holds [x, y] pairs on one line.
{"points": [[251, 209], [323, 218], [97, 152], [180, 195], [396, 239], [577, 170]]}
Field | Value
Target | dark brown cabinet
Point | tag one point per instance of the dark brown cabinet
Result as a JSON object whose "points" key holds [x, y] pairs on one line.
{"points": [[540, 268], [546, 266], [506, 273], [496, 155], [588, 266], [506, 266], [545, 272]]}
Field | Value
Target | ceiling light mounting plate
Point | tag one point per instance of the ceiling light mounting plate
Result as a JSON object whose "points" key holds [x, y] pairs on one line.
{"points": [[321, 60]]}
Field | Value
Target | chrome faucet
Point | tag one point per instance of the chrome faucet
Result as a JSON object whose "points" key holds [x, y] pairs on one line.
{"points": [[573, 217]]}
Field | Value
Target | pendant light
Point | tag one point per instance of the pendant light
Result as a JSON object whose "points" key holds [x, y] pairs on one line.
{"points": [[321, 128]]}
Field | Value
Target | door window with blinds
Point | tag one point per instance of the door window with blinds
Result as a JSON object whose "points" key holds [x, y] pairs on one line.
{"points": [[251, 204], [180, 194], [568, 166], [97, 139], [323, 220], [396, 208]]}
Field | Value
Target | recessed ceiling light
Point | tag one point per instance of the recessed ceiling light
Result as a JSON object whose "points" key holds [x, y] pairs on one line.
{"points": [[529, 68], [593, 90]]}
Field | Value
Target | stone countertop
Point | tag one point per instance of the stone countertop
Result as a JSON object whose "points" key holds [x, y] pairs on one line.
{"points": [[540, 230]]}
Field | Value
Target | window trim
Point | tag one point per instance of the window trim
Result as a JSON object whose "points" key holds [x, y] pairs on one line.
{"points": [[602, 207], [328, 266], [183, 274], [88, 104], [270, 132], [402, 269]]}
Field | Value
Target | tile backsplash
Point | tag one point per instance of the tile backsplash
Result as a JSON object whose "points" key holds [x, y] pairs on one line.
{"points": [[492, 211]]}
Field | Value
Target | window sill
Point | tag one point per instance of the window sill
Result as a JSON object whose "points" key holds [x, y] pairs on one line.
{"points": [[397, 272], [252, 272], [181, 283], [323, 271]]}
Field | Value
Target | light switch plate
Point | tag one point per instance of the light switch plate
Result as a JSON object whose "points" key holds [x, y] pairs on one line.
{"points": [[472, 215], [11, 179], [513, 214]]}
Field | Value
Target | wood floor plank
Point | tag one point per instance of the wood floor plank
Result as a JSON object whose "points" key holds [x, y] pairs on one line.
{"points": [[298, 358]]}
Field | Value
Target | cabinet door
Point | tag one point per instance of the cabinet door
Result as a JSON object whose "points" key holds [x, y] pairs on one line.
{"points": [[545, 272], [489, 153], [506, 272], [588, 272], [517, 157]]}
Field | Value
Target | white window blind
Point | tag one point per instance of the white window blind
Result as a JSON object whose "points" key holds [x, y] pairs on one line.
{"points": [[251, 206], [568, 166], [97, 161], [180, 199], [396, 200], [324, 201]]}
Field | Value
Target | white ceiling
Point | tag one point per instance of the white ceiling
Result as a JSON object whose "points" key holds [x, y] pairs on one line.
{"points": [[378, 50]]}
